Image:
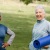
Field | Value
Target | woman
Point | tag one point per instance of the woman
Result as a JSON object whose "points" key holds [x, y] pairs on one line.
{"points": [[3, 31], [41, 28]]}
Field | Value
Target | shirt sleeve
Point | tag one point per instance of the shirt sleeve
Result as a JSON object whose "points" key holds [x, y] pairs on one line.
{"points": [[12, 35], [48, 30]]}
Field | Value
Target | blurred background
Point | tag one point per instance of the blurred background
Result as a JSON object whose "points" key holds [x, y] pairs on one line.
{"points": [[19, 16]]}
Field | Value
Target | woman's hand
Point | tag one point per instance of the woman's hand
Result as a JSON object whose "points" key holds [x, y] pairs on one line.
{"points": [[45, 47], [5, 45]]}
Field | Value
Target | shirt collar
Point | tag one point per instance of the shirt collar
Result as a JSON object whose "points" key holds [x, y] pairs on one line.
{"points": [[39, 21]]}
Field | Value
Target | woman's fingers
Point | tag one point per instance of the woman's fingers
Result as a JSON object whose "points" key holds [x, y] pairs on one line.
{"points": [[46, 47], [5, 45]]}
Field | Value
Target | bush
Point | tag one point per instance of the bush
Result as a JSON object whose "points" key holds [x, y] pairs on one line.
{"points": [[27, 1]]}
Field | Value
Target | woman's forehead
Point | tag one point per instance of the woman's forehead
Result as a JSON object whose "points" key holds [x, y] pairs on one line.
{"points": [[39, 8]]}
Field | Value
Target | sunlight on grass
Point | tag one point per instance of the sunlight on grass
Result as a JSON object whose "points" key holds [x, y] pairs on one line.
{"points": [[20, 18]]}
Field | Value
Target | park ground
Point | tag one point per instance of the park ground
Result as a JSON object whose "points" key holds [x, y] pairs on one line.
{"points": [[20, 18]]}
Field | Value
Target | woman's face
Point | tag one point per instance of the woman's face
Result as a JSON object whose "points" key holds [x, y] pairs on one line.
{"points": [[39, 14]]}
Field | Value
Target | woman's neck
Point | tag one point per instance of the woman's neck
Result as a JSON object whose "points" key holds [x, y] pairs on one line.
{"points": [[39, 21]]}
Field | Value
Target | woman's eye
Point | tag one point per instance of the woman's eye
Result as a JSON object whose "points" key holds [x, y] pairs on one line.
{"points": [[36, 12]]}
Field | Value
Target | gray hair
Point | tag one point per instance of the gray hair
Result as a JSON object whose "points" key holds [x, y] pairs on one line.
{"points": [[39, 7]]}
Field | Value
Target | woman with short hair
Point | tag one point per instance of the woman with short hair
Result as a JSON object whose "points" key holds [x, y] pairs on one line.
{"points": [[41, 28]]}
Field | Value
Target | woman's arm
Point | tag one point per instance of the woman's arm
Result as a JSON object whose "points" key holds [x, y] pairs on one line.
{"points": [[48, 30], [12, 35]]}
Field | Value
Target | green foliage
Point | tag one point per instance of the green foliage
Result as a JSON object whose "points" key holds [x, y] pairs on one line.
{"points": [[27, 1], [41, 0]]}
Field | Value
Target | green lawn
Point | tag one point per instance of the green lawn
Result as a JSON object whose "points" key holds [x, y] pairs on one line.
{"points": [[21, 21], [22, 26]]}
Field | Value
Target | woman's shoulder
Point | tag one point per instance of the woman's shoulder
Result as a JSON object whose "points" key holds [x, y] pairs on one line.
{"points": [[3, 26], [47, 22], [34, 24]]}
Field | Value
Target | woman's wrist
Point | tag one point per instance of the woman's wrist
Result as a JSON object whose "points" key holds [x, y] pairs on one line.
{"points": [[45, 47]]}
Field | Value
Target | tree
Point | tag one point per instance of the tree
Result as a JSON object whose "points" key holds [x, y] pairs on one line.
{"points": [[39, 0], [27, 1], [45, 0]]}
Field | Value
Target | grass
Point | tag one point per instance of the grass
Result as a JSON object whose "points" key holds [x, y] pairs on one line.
{"points": [[22, 26], [20, 20]]}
